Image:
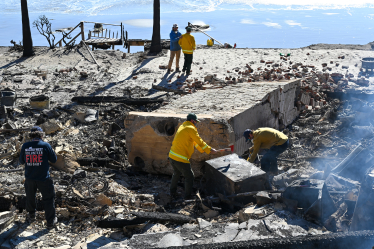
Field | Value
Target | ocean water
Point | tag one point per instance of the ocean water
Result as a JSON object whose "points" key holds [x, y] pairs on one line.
{"points": [[248, 23]]}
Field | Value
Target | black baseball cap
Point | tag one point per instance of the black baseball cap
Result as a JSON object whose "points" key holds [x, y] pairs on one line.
{"points": [[246, 134], [192, 116]]}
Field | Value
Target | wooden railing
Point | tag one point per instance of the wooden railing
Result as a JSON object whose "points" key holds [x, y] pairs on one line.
{"points": [[81, 25]]}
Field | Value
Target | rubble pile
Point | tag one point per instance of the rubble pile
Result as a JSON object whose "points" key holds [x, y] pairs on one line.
{"points": [[335, 75], [87, 193], [103, 202]]}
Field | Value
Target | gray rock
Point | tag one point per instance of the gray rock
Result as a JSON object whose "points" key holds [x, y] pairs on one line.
{"points": [[117, 236], [17, 79], [209, 77], [231, 230], [91, 115], [203, 223], [170, 240]]}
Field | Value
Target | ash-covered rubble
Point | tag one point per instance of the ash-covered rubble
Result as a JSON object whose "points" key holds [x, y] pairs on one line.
{"points": [[334, 144], [97, 192], [108, 190]]}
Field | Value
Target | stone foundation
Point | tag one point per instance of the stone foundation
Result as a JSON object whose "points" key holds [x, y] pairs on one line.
{"points": [[225, 114], [149, 137]]}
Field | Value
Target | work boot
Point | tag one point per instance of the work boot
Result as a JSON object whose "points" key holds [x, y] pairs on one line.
{"points": [[53, 224], [30, 217], [184, 70], [189, 197], [168, 71], [177, 70], [176, 197]]}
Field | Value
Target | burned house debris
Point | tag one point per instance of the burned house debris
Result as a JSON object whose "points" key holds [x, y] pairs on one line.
{"points": [[112, 127]]}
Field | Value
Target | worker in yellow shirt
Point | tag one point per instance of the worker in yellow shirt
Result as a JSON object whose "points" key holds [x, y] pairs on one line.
{"points": [[186, 139], [188, 44], [266, 138]]}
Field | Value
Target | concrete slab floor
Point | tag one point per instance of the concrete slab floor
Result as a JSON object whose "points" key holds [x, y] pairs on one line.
{"points": [[273, 226], [228, 101]]}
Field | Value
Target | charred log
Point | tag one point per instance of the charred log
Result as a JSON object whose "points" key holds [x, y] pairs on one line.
{"points": [[164, 217], [87, 161], [112, 99], [142, 217]]}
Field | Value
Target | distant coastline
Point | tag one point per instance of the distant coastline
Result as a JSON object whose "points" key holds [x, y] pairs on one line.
{"points": [[248, 28], [320, 46]]}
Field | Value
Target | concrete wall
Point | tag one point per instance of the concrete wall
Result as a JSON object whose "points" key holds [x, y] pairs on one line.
{"points": [[278, 107], [149, 137]]}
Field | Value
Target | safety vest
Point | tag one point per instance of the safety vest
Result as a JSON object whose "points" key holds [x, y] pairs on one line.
{"points": [[187, 42], [186, 139]]}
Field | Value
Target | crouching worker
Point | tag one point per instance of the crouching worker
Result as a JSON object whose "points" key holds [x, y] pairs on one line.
{"points": [[266, 138], [186, 139], [35, 155]]}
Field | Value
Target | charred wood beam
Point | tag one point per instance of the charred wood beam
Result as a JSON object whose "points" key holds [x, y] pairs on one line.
{"points": [[6, 234], [142, 217], [120, 223], [112, 99], [164, 217], [87, 161], [232, 196], [6, 218]]}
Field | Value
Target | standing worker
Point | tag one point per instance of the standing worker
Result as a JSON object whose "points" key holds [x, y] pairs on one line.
{"points": [[187, 42], [181, 151], [175, 49], [35, 155], [267, 138]]}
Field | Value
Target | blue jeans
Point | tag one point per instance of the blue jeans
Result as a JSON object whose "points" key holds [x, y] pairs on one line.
{"points": [[269, 160], [47, 190]]}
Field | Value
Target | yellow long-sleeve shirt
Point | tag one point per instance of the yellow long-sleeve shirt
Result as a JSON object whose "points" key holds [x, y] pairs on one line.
{"points": [[184, 142], [187, 42], [265, 138]]}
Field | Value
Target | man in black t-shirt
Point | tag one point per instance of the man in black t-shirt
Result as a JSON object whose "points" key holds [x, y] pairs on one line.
{"points": [[35, 155]]}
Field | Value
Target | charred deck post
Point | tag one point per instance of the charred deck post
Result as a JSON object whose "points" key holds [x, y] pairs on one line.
{"points": [[82, 31]]}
